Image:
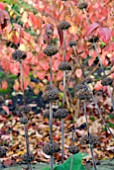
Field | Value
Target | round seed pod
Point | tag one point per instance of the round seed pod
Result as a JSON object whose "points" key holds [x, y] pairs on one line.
{"points": [[28, 158], [82, 5], [25, 109], [1, 99], [50, 50], [63, 25], [51, 95], [24, 120], [107, 81], [73, 149], [61, 113], [50, 149], [2, 151], [64, 66], [84, 94], [19, 55], [93, 140], [93, 39], [72, 43]]}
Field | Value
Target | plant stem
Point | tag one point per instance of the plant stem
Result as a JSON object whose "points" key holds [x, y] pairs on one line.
{"points": [[51, 118], [63, 100], [27, 144], [25, 126], [22, 81], [88, 133], [71, 163]]}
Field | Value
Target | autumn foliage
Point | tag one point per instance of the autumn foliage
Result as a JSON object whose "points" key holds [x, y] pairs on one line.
{"points": [[26, 27]]}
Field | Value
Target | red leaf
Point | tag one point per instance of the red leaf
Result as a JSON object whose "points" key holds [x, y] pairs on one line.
{"points": [[91, 28], [6, 109], [2, 6], [8, 162], [104, 34], [60, 32]]}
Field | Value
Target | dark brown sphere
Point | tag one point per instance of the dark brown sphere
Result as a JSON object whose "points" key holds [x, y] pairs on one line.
{"points": [[50, 50], [28, 158], [82, 5], [107, 81], [51, 94], [50, 149], [65, 66], [63, 25], [73, 149], [19, 55], [61, 113]]}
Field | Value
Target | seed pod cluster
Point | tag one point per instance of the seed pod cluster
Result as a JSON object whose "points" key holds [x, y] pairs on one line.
{"points": [[51, 94], [28, 158], [107, 81], [84, 94], [65, 66], [19, 55], [93, 140], [82, 5], [50, 50], [61, 113], [64, 25], [73, 149], [50, 149]]}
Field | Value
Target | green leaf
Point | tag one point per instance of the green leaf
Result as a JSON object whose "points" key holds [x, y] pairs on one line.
{"points": [[77, 163]]}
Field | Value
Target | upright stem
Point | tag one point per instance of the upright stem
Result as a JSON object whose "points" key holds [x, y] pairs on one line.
{"points": [[51, 118], [63, 100], [88, 133], [22, 81], [50, 70], [25, 126]]}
